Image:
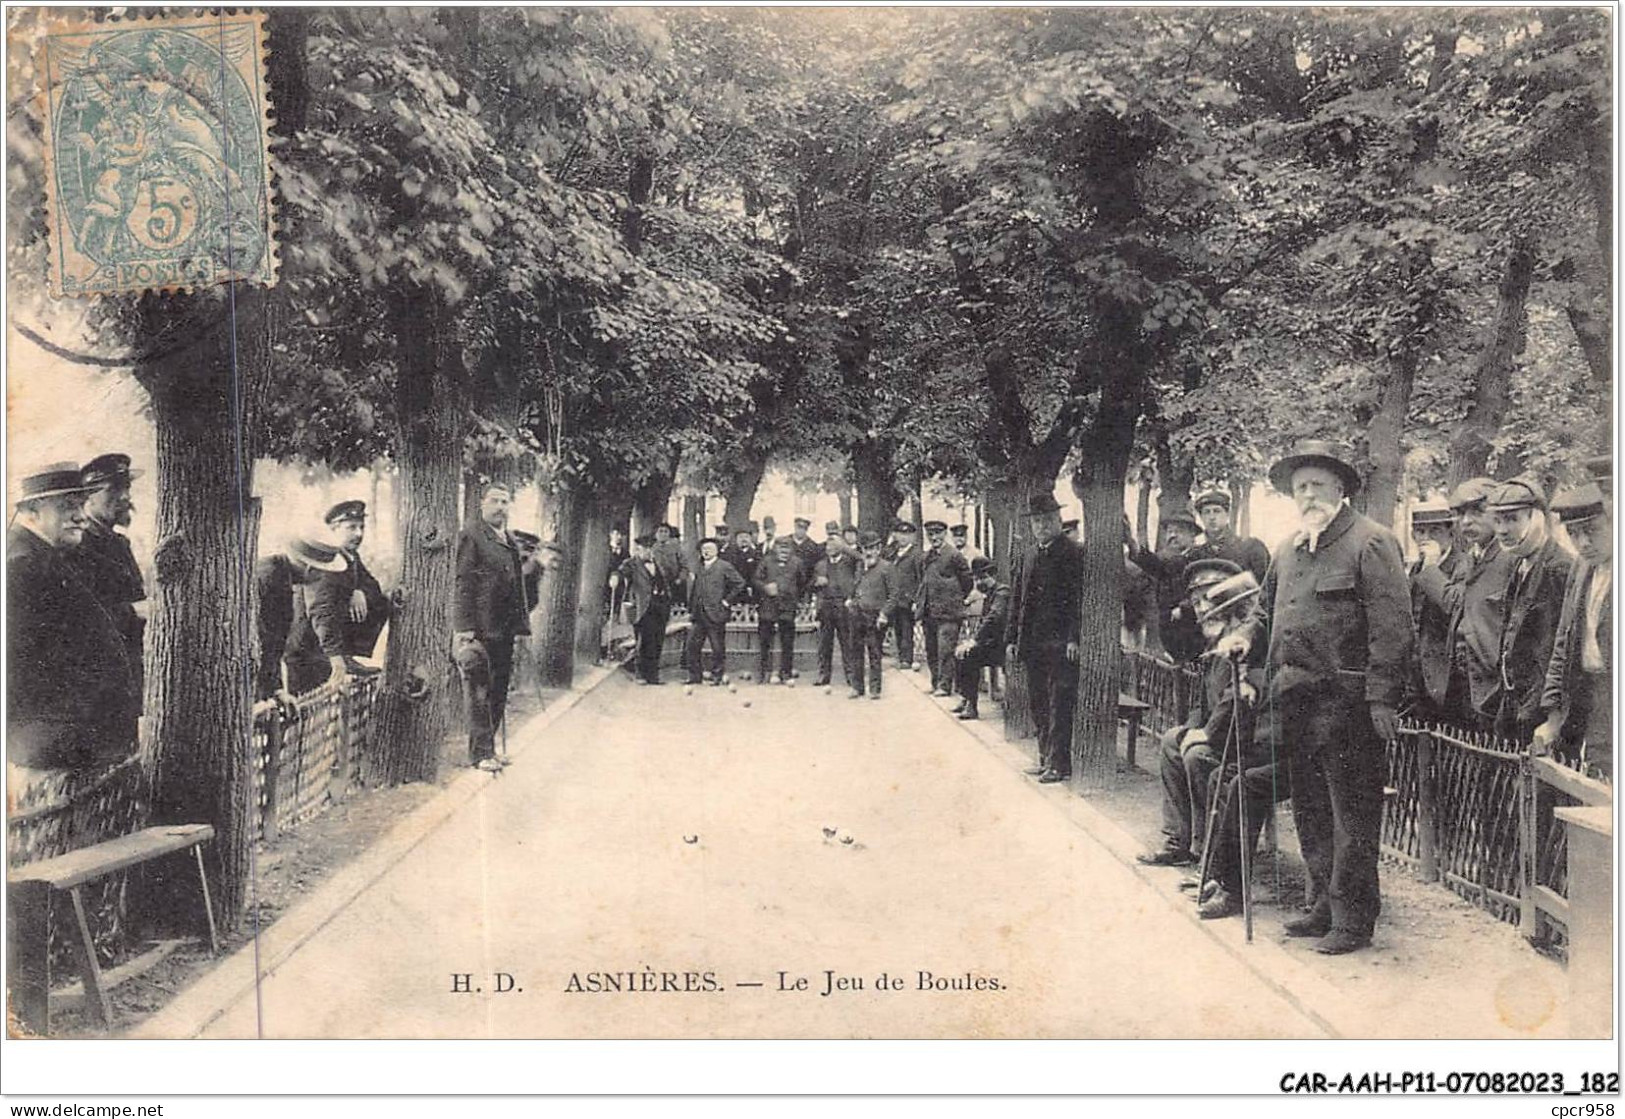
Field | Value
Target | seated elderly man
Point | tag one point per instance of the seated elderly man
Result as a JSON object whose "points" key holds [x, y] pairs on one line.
{"points": [[1190, 753]]}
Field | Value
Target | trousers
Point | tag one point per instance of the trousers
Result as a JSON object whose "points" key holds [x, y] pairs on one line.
{"points": [[968, 673], [486, 673], [902, 625], [1336, 765], [1185, 777], [941, 635], [651, 631], [785, 628], [834, 628], [1052, 696], [867, 641], [700, 632], [1261, 787]]}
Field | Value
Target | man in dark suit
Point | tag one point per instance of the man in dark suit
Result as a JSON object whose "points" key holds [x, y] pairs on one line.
{"points": [[777, 581], [1535, 592], [1219, 542], [834, 580], [103, 559], [1474, 596], [488, 613], [1046, 615], [1177, 631], [808, 551], [907, 560], [986, 648], [743, 556], [648, 605], [1577, 703], [668, 553], [71, 699], [715, 587], [1433, 525], [1336, 608], [866, 614], [939, 604], [278, 578], [364, 616]]}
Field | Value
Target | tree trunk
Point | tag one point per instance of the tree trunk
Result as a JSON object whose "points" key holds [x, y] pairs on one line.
{"points": [[1384, 448], [419, 680], [878, 494], [916, 506], [1098, 481], [593, 585], [198, 696], [740, 495], [694, 529], [1492, 377], [843, 502], [1142, 507], [651, 502], [1175, 474], [553, 633]]}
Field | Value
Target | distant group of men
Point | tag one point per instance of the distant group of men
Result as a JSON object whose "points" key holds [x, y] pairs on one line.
{"points": [[1497, 626]]}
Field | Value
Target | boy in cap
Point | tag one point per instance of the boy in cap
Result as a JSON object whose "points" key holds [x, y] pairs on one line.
{"points": [[985, 649], [876, 590], [939, 604], [1189, 754], [1534, 603], [777, 582], [1577, 700], [1212, 509], [908, 562]]}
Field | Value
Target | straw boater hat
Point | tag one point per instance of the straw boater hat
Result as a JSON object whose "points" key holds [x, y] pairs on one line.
{"points": [[56, 479], [1314, 452], [315, 555], [1226, 595], [1434, 511], [1581, 503]]}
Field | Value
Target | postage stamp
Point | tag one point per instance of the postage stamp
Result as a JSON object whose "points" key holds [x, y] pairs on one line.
{"points": [[156, 154]]}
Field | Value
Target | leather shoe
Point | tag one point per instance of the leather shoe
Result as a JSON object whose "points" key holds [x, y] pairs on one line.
{"points": [[1314, 924], [958, 707], [1036, 770], [1340, 942], [968, 713], [1168, 856], [1051, 777], [1222, 904]]}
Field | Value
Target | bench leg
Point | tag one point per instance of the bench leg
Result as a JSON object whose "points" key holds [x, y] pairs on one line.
{"points": [[28, 974], [1133, 736], [89, 969], [208, 902]]}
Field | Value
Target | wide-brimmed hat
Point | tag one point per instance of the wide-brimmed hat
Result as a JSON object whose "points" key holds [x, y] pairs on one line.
{"points": [[1211, 497], [1434, 511], [1519, 493], [1205, 572], [1314, 452], [107, 470], [1042, 503], [1579, 503], [1226, 595], [55, 479], [315, 554]]}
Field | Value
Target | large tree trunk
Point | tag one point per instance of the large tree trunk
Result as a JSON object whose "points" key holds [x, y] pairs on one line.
{"points": [[1384, 443], [843, 505], [419, 681], [1492, 377], [1175, 473], [600, 514], [554, 623], [1241, 505], [651, 501], [1142, 506], [1098, 481], [878, 494], [694, 527], [198, 694], [740, 494]]}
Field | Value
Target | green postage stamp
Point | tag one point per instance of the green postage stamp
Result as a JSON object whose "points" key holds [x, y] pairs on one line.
{"points": [[157, 167]]}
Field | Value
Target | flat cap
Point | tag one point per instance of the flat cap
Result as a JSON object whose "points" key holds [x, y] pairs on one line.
{"points": [[1474, 491], [1211, 497], [904, 526], [936, 526], [1204, 572], [105, 470], [1520, 493], [870, 540]]}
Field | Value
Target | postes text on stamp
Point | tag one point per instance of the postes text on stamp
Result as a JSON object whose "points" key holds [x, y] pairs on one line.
{"points": [[157, 166]]}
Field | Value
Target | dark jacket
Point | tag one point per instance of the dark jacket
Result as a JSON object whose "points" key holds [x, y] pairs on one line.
{"points": [[835, 580], [105, 563], [1568, 695], [744, 561], [994, 627], [489, 596], [714, 587], [1047, 601], [672, 561], [1217, 709], [1435, 639], [1534, 605], [1177, 631], [910, 568], [945, 580], [321, 617], [809, 552], [274, 587], [1341, 616], [645, 584], [1244, 551], [361, 638], [1475, 596], [67, 664], [787, 576], [877, 588]]}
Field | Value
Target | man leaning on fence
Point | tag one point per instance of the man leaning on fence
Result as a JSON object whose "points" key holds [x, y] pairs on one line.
{"points": [[1534, 602], [1336, 607], [488, 613], [71, 698], [1577, 700], [278, 579]]}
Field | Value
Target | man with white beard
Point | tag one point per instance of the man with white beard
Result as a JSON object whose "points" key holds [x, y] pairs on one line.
{"points": [[1336, 607]]}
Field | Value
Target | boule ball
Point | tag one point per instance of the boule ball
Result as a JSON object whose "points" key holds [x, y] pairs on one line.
{"points": [[688, 689], [746, 703]]}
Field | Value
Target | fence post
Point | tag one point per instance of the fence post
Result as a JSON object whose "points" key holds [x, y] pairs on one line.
{"points": [[1591, 918], [338, 778], [1528, 844], [272, 773], [1426, 812]]}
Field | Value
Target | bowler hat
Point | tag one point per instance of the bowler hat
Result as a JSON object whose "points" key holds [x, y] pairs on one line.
{"points": [[1211, 497], [1042, 503], [1520, 493], [832, 526], [1434, 511], [646, 540], [106, 470], [1472, 492], [54, 480], [1581, 503], [981, 565], [803, 522], [314, 554], [769, 522], [936, 526], [704, 540], [1314, 452], [348, 511], [1226, 594], [1205, 572]]}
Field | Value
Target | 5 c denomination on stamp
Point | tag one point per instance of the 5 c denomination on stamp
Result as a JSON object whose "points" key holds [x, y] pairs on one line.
{"points": [[157, 165]]}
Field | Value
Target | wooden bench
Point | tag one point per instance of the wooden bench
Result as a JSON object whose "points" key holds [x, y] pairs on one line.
{"points": [[29, 888], [1131, 711]]}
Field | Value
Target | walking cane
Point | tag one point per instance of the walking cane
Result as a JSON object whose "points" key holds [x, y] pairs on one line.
{"points": [[1213, 806], [1244, 846]]}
